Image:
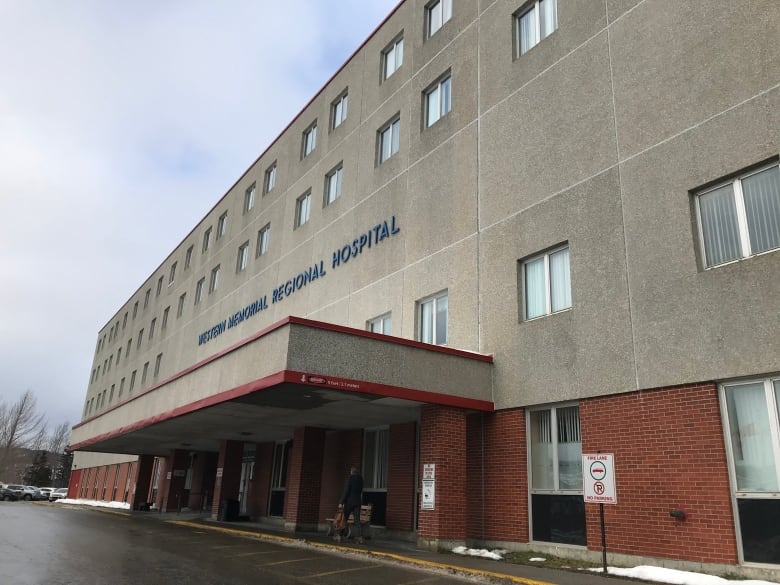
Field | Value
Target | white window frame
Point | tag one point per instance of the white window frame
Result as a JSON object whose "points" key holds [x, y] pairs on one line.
{"points": [[302, 209], [333, 184], [338, 110], [206, 239], [249, 197], [738, 196], [547, 282], [243, 257], [157, 364], [269, 179], [309, 140], [437, 14], [222, 225], [535, 9], [389, 140], [375, 475], [172, 275], [214, 280], [393, 57], [188, 258], [382, 324], [180, 308], [199, 290], [555, 463], [434, 301], [438, 101], [263, 239]]}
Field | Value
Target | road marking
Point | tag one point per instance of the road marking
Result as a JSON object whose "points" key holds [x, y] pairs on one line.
{"points": [[351, 569], [428, 580], [257, 552], [287, 562]]}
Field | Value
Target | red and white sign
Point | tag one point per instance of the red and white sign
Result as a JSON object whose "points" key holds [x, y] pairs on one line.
{"points": [[598, 478]]}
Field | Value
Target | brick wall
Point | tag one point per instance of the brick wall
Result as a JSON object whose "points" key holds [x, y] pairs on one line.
{"points": [[304, 477], [342, 449], [669, 453], [400, 477], [497, 476], [261, 482]]}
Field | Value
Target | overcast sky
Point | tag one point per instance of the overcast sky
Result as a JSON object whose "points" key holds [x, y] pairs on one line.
{"points": [[121, 125]]}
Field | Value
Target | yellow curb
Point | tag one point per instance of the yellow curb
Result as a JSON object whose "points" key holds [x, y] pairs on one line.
{"points": [[392, 556]]}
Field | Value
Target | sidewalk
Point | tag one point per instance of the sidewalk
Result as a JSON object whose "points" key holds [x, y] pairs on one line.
{"points": [[397, 551]]}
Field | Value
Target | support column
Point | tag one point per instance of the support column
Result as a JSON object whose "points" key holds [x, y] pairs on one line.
{"points": [[172, 484], [443, 444], [143, 480], [401, 501], [228, 479], [261, 482], [304, 479]]}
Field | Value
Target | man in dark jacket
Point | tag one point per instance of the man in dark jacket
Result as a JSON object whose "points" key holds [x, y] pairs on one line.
{"points": [[352, 499]]}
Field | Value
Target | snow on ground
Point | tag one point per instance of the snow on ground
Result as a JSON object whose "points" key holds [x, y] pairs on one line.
{"points": [[644, 572], [96, 503]]}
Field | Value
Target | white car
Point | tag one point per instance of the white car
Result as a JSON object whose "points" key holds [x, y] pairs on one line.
{"points": [[58, 494], [46, 492]]}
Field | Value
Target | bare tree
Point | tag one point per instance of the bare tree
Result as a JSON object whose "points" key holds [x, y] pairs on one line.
{"points": [[21, 425], [58, 439]]}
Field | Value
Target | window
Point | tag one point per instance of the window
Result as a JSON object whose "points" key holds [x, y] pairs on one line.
{"points": [[145, 372], [206, 239], [302, 209], [164, 323], [180, 308], [338, 111], [534, 23], [199, 290], [263, 238], [121, 388], [157, 363], [129, 347], [140, 339], [135, 309], [118, 355], [249, 198], [222, 225], [393, 57], [436, 14], [269, 182], [151, 328], [740, 218], [243, 257], [159, 286], [124, 321], [433, 319], [214, 280], [753, 430], [555, 449], [111, 395], [132, 382], [389, 140], [438, 101], [309, 140], [147, 296], [380, 324], [375, 457], [188, 258], [333, 182], [547, 283], [172, 275]]}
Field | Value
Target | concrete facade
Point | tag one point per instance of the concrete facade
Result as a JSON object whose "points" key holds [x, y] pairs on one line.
{"points": [[598, 140]]}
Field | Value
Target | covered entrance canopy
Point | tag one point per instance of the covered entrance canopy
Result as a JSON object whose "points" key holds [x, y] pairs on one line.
{"points": [[296, 373]]}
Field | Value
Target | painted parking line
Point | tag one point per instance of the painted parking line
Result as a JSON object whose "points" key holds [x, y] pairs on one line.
{"points": [[339, 571], [257, 552], [288, 561]]}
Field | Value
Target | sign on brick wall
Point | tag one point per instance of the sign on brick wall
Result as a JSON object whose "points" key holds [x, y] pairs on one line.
{"points": [[598, 478]]}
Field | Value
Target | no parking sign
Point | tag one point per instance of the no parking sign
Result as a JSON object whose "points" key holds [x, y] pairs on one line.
{"points": [[598, 478]]}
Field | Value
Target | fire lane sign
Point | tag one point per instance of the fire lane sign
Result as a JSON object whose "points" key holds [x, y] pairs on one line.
{"points": [[598, 478]]}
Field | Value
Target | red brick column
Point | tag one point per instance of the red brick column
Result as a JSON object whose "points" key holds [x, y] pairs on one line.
{"points": [[669, 454], [443, 443], [143, 480], [304, 478], [342, 450], [172, 484], [401, 499], [227, 486], [261, 482]]}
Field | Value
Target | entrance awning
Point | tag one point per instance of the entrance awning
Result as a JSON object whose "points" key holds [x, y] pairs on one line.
{"points": [[293, 374]]}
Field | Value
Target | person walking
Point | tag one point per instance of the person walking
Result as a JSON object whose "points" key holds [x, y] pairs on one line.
{"points": [[352, 499]]}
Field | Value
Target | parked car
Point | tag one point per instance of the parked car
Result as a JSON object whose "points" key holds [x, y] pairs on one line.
{"points": [[17, 490], [58, 494], [7, 495], [32, 493], [46, 492]]}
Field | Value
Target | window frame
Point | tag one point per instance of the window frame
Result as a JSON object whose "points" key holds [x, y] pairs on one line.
{"points": [[214, 279], [738, 198], [309, 140], [242, 261], [339, 109], [269, 178], [172, 275], [443, 98], [527, 8], [375, 475], [263, 240], [394, 128], [206, 240], [381, 320], [337, 174], [432, 19], [180, 307], [199, 290], [547, 282], [435, 299], [188, 257], [393, 53], [222, 225], [553, 409], [249, 197], [303, 204]]}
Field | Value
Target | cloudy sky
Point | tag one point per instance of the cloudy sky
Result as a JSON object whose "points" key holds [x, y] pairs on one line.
{"points": [[121, 124]]}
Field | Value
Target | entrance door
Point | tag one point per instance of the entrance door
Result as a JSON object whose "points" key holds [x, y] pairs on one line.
{"points": [[279, 479], [247, 472]]}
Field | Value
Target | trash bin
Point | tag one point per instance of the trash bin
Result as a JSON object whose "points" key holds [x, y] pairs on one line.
{"points": [[229, 510]]}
